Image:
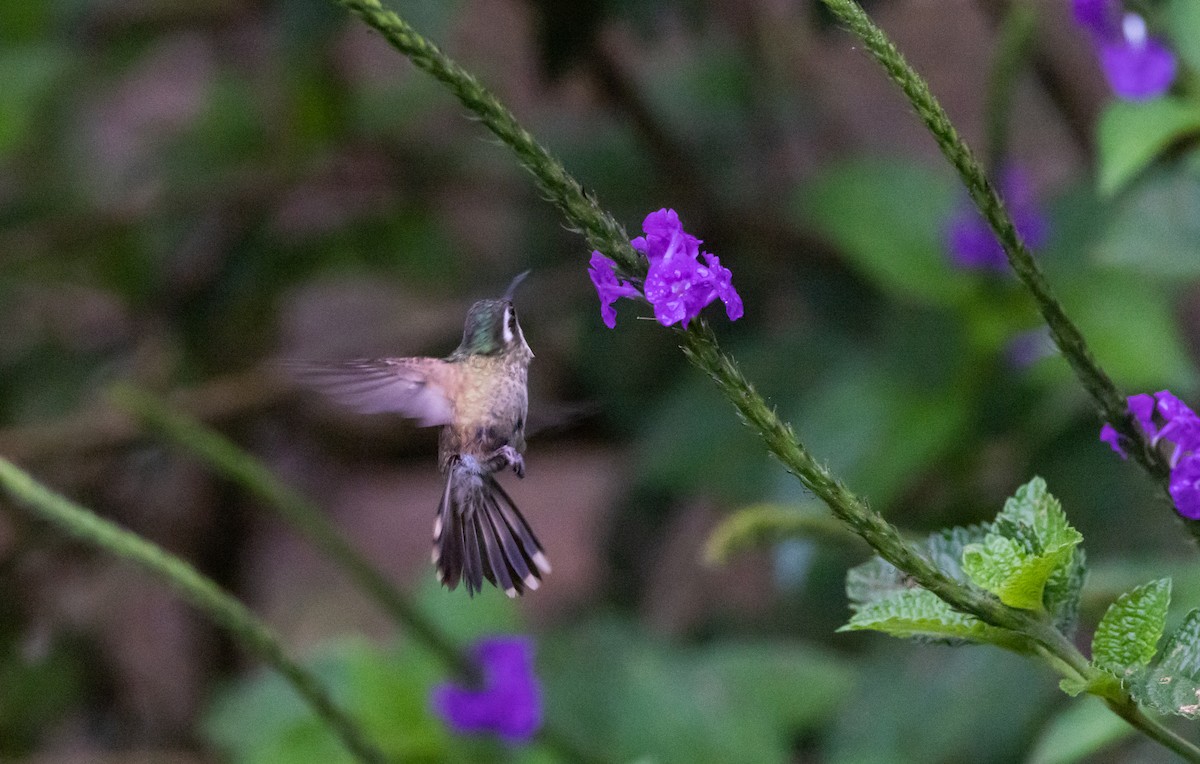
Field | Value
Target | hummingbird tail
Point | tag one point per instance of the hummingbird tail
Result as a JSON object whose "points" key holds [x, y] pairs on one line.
{"points": [[479, 533]]}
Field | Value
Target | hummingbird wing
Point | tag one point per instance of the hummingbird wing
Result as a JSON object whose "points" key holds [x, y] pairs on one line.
{"points": [[418, 388]]}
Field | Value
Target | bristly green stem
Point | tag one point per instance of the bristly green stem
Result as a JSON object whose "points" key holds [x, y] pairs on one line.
{"points": [[235, 464], [224, 456], [1068, 338], [701, 347], [201, 592]]}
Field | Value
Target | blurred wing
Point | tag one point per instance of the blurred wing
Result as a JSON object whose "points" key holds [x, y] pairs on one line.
{"points": [[418, 388]]}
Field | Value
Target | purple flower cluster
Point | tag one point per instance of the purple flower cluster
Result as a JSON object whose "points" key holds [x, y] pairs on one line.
{"points": [[509, 702], [1181, 428], [678, 285], [970, 240], [1138, 67]]}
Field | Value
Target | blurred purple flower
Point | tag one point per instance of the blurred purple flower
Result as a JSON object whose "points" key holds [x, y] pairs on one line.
{"points": [[970, 240], [508, 703], [678, 285], [1138, 67], [1028, 347], [1180, 426]]}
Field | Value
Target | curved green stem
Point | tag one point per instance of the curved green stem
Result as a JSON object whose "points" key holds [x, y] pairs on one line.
{"points": [[700, 345], [1068, 338], [1151, 728], [237, 465], [202, 593]]}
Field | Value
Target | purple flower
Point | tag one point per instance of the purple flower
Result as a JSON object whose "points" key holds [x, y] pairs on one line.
{"points": [[970, 240], [1163, 417], [609, 287], [1185, 486], [678, 285], [1109, 435], [508, 703], [1138, 67]]}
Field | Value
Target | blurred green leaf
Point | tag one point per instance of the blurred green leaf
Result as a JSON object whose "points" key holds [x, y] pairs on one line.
{"points": [[1128, 634], [918, 613], [881, 414], [619, 691], [1172, 684], [1131, 328], [1182, 24], [1155, 227], [887, 218], [1131, 134], [262, 720], [1082, 729], [29, 74], [917, 704]]}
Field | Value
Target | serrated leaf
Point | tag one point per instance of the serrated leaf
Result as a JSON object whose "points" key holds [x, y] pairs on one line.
{"points": [[1131, 134], [1031, 542], [873, 581], [918, 613], [1063, 591], [1172, 686], [1128, 634], [877, 579], [1003, 568], [1033, 505], [945, 548]]}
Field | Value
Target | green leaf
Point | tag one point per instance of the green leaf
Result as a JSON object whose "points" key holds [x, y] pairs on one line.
{"points": [[1131, 134], [1030, 542], [1131, 326], [1128, 633], [1181, 22], [873, 581], [746, 701], [1033, 507], [1063, 591], [28, 76], [918, 613], [886, 217], [1082, 729], [1155, 227], [1172, 686], [876, 579]]}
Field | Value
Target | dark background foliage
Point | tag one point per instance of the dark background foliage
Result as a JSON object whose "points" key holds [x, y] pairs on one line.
{"points": [[188, 190]]}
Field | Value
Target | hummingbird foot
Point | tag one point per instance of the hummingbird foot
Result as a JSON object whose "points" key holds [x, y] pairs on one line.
{"points": [[507, 456]]}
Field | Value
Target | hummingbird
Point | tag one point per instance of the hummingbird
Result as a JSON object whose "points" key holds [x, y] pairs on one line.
{"points": [[478, 395]]}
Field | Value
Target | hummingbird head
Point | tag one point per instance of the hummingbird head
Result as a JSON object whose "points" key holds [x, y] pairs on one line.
{"points": [[492, 327]]}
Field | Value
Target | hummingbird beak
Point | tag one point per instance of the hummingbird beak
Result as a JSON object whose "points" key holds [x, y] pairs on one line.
{"points": [[512, 288]]}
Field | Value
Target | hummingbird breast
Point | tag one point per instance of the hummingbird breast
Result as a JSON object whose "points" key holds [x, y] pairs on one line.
{"points": [[490, 405]]}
